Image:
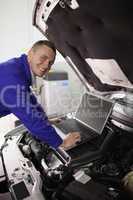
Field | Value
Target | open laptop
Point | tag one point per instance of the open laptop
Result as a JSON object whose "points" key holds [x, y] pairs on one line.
{"points": [[89, 120]]}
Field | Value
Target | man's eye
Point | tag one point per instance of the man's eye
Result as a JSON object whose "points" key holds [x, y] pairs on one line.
{"points": [[43, 58]]}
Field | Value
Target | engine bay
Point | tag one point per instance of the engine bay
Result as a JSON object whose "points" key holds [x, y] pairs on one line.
{"points": [[97, 168]]}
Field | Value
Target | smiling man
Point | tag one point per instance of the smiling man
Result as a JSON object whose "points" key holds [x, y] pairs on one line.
{"points": [[41, 57], [16, 96]]}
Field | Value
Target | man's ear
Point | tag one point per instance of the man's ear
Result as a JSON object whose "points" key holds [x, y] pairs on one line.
{"points": [[30, 54]]}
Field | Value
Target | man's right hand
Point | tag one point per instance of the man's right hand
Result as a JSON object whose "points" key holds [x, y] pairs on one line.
{"points": [[71, 140]]}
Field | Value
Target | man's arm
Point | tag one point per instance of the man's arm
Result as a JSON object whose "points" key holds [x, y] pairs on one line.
{"points": [[22, 103]]}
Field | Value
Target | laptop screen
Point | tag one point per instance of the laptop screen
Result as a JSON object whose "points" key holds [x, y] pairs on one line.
{"points": [[94, 112]]}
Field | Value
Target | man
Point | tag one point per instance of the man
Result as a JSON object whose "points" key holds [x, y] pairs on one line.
{"points": [[16, 97]]}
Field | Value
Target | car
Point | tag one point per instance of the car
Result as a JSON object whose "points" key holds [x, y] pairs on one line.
{"points": [[95, 38]]}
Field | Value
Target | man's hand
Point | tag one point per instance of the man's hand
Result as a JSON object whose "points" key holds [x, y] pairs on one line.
{"points": [[71, 140]]}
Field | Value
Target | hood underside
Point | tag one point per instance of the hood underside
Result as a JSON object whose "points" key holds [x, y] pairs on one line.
{"points": [[96, 37]]}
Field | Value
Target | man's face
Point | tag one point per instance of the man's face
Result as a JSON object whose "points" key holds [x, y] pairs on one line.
{"points": [[41, 60]]}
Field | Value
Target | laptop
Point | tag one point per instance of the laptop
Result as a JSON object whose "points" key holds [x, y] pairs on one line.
{"points": [[89, 120]]}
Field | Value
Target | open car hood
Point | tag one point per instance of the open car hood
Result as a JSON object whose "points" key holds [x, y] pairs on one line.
{"points": [[94, 36]]}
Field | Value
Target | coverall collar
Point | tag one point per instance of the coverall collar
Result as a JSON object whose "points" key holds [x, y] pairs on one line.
{"points": [[27, 68]]}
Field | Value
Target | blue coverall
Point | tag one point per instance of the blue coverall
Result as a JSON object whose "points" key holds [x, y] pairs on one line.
{"points": [[16, 98]]}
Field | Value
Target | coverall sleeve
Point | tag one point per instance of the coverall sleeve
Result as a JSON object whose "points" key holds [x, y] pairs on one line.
{"points": [[22, 103]]}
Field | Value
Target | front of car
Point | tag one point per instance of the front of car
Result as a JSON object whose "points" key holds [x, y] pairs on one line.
{"points": [[95, 38]]}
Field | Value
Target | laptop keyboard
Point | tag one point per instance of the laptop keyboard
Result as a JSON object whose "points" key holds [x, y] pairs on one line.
{"points": [[71, 125]]}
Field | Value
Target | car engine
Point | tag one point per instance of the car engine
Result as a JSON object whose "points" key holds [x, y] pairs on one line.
{"points": [[101, 168]]}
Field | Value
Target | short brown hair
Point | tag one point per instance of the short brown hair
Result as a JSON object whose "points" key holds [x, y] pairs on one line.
{"points": [[44, 42]]}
